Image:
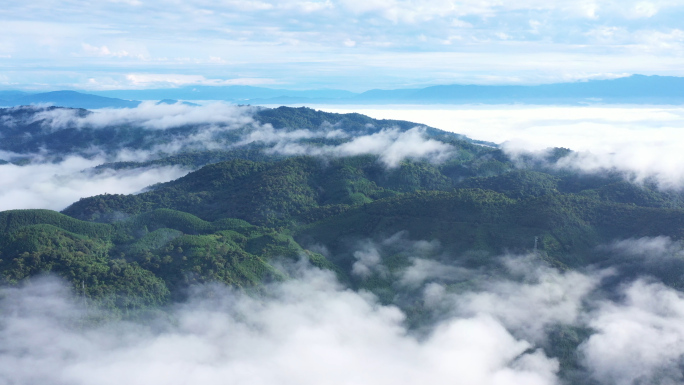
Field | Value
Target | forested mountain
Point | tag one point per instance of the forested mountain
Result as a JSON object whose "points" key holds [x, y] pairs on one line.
{"points": [[251, 205], [314, 201], [64, 99], [61, 131]]}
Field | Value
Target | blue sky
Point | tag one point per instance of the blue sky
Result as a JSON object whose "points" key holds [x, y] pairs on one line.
{"points": [[347, 44]]}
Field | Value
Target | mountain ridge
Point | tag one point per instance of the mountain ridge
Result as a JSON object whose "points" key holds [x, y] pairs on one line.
{"points": [[634, 89]]}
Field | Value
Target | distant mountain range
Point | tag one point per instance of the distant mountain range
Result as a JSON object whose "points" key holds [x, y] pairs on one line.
{"points": [[637, 89], [64, 99]]}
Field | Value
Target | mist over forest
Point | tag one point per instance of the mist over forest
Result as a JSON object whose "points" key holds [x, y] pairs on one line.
{"points": [[343, 192], [177, 243]]}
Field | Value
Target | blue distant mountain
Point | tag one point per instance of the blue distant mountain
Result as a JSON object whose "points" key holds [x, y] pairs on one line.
{"points": [[6, 96], [226, 93], [173, 101], [66, 99], [636, 89]]}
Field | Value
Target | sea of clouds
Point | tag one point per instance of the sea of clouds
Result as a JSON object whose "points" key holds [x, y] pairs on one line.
{"points": [[311, 330], [639, 141]]}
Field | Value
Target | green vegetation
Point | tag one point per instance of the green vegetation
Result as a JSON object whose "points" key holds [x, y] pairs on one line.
{"points": [[229, 222], [144, 260], [237, 217]]}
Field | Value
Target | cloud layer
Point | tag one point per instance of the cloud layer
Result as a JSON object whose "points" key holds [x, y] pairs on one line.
{"points": [[152, 116], [639, 141], [312, 330], [57, 185], [306, 331]]}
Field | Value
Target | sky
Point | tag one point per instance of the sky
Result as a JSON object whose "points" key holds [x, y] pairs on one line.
{"points": [[344, 44]]}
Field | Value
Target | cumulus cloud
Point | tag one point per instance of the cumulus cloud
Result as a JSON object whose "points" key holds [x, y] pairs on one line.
{"points": [[369, 254], [305, 331], [57, 185], [635, 332], [260, 41]]}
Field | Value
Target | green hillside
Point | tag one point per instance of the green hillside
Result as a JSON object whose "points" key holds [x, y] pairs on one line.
{"points": [[144, 260], [340, 202]]}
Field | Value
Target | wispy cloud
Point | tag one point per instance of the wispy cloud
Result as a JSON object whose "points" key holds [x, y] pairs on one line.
{"points": [[104, 51], [151, 115], [175, 80], [57, 185], [392, 145]]}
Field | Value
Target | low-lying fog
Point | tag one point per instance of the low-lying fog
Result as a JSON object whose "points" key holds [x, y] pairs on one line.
{"points": [[644, 140]]}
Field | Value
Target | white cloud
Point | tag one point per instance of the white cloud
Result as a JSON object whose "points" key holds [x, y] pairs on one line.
{"points": [[654, 40], [56, 185], [281, 137], [129, 2], [649, 247], [368, 262], [104, 51], [392, 145], [422, 270], [640, 141], [546, 297], [306, 331], [312, 330], [639, 339], [176, 80], [291, 41], [153, 116]]}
